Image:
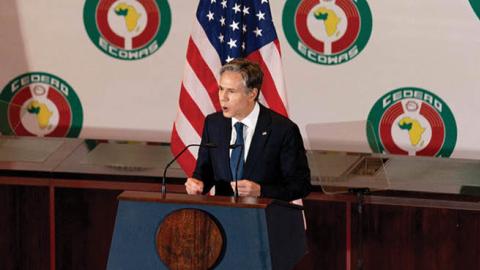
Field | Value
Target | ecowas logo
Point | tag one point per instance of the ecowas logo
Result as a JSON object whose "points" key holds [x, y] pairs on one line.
{"points": [[476, 6], [327, 32], [411, 121], [127, 29], [40, 104]]}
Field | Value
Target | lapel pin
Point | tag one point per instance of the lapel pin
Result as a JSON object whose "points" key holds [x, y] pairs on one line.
{"points": [[264, 133]]}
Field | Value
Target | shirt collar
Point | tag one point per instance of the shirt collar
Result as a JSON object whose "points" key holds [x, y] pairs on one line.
{"points": [[251, 118]]}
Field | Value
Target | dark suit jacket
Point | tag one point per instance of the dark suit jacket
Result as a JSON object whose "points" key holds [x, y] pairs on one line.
{"points": [[276, 159]]}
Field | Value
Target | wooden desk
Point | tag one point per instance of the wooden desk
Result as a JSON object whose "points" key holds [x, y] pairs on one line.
{"points": [[401, 230], [50, 213], [51, 208]]}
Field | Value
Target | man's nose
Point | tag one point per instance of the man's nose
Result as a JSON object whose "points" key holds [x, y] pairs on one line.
{"points": [[223, 96]]}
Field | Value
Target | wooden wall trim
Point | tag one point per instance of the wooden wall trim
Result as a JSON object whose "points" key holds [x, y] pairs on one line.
{"points": [[88, 184], [399, 201]]}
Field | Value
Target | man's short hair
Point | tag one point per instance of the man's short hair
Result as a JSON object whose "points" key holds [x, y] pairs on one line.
{"points": [[251, 73]]}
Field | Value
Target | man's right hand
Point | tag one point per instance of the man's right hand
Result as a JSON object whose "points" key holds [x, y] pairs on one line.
{"points": [[194, 186]]}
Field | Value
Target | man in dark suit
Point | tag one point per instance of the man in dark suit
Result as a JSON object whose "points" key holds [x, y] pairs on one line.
{"points": [[257, 146]]}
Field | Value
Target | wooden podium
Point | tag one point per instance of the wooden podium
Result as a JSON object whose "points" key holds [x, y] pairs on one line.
{"points": [[202, 232]]}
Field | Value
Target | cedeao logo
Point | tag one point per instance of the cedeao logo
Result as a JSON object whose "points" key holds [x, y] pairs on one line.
{"points": [[411, 121], [40, 104], [476, 6], [127, 29], [327, 32]]}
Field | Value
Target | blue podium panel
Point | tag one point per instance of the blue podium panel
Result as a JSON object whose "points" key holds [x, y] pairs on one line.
{"points": [[133, 245]]}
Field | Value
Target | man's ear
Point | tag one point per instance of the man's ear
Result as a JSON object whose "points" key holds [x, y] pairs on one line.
{"points": [[254, 93]]}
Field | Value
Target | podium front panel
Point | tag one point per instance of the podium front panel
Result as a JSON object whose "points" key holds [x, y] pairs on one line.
{"points": [[133, 244]]}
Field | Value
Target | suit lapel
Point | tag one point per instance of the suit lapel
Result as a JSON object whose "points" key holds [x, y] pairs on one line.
{"points": [[260, 137]]}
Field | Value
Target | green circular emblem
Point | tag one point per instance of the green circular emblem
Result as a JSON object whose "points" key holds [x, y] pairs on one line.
{"points": [[327, 32], [127, 29], [476, 6], [40, 104], [411, 121]]}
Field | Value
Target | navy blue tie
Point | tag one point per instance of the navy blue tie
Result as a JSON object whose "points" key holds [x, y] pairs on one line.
{"points": [[236, 159]]}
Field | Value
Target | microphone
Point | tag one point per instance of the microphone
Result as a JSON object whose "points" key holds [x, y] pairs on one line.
{"points": [[233, 146], [164, 185]]}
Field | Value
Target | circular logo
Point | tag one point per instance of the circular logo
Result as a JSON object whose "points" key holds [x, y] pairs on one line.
{"points": [[40, 104], [327, 32], [476, 6], [127, 29], [180, 246], [411, 121]]}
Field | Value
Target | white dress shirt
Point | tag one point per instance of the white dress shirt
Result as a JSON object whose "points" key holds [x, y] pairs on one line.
{"points": [[249, 128]]}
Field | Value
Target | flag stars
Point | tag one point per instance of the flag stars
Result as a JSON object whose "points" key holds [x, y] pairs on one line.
{"points": [[213, 1], [244, 28], [264, 1], [222, 21], [234, 25], [232, 43], [237, 8], [221, 38], [246, 10], [224, 4], [229, 58], [258, 32], [210, 15], [243, 46], [260, 15]]}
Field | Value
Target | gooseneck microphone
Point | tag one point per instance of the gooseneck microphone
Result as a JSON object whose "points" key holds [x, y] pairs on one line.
{"points": [[242, 147], [164, 185]]}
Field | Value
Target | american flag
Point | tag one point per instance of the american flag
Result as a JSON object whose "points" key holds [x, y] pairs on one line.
{"points": [[224, 30]]}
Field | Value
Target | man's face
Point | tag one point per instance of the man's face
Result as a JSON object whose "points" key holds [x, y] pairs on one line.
{"points": [[234, 97]]}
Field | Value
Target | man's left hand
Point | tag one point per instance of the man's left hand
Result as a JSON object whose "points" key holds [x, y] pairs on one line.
{"points": [[247, 188]]}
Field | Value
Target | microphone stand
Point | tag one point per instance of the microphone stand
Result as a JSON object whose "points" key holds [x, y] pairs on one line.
{"points": [[164, 185], [233, 146]]}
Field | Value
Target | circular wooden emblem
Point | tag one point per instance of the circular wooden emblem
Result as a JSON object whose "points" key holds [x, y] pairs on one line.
{"points": [[189, 239]]}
